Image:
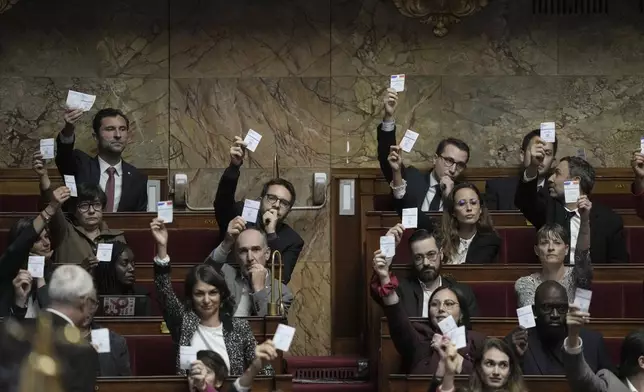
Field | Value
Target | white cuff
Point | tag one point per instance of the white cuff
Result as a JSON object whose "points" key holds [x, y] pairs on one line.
{"points": [[388, 126], [162, 262], [399, 191], [67, 139], [238, 386], [573, 350], [525, 177]]}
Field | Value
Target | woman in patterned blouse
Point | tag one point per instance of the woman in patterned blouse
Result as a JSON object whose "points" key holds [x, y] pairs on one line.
{"points": [[553, 244], [205, 321]]}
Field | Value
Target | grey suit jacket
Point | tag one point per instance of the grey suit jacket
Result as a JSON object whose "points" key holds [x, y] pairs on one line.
{"points": [[582, 379], [236, 283]]}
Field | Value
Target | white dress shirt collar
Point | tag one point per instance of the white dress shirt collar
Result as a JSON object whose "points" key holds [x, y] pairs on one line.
{"points": [[424, 286], [61, 315], [630, 385], [104, 166]]}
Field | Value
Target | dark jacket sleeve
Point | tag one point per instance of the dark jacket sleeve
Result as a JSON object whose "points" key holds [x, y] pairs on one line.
{"points": [[85, 366], [290, 252], [16, 254], [385, 141], [532, 204], [405, 337], [604, 361], [224, 204], [491, 195], [408, 201], [616, 241], [120, 355], [486, 250], [67, 159], [142, 196]]}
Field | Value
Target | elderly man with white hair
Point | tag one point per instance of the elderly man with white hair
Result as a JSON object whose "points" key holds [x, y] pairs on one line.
{"points": [[72, 300]]}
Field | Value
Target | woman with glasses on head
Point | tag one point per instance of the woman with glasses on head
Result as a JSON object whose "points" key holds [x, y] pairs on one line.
{"points": [[467, 228], [417, 344], [76, 239]]}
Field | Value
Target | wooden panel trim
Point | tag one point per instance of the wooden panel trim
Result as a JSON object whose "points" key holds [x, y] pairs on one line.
{"points": [[281, 382], [28, 174], [420, 383], [136, 220], [479, 173]]}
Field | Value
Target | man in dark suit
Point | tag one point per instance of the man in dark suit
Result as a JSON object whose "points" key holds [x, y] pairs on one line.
{"points": [[539, 348], [124, 185], [277, 199], [425, 190], [414, 291], [499, 192], [72, 296], [606, 227]]}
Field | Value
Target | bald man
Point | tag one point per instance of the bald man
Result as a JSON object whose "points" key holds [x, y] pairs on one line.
{"points": [[539, 348]]}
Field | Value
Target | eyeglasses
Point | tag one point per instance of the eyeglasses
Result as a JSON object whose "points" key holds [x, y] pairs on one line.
{"points": [[430, 256], [448, 304], [274, 200], [96, 206], [449, 162], [548, 308], [93, 303], [463, 202]]}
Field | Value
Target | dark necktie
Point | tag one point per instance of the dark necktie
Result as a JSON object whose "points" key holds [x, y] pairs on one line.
{"points": [[435, 205], [570, 215], [109, 189]]}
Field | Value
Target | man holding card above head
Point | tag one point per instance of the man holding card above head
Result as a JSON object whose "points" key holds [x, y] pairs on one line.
{"points": [[572, 178], [499, 192], [423, 190], [637, 188], [539, 339], [269, 213], [124, 185]]}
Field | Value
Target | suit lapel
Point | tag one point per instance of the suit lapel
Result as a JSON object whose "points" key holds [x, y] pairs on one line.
{"points": [[95, 171], [126, 185], [419, 296], [536, 351]]}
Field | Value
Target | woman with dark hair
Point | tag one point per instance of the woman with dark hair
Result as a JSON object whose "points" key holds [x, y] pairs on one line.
{"points": [[77, 238], [206, 321], [496, 369], [467, 229], [417, 344]]}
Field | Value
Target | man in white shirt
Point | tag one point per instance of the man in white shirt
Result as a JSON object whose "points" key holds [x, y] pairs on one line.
{"points": [[123, 184]]}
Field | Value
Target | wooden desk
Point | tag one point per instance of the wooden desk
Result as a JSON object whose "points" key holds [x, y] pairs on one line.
{"points": [[412, 383], [135, 220], [180, 384]]}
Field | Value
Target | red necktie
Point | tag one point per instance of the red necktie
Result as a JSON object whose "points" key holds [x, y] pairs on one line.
{"points": [[109, 189]]}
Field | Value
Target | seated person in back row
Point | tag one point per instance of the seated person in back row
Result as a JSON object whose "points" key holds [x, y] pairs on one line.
{"points": [[250, 284], [540, 348], [427, 256], [499, 192], [606, 227], [277, 199]]}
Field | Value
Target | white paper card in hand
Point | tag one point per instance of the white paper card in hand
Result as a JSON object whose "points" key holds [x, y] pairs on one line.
{"points": [[642, 145], [47, 148], [187, 355], [252, 140], [70, 182], [397, 83], [250, 211], [76, 100], [571, 191], [457, 336], [526, 317], [408, 140], [388, 245], [104, 252], [165, 211], [101, 339], [582, 299], [581, 153], [447, 324], [410, 218], [548, 132], [36, 266], [283, 337]]}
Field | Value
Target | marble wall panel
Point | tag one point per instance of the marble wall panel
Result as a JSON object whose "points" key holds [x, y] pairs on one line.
{"points": [[32, 108], [77, 38], [291, 114], [249, 38]]}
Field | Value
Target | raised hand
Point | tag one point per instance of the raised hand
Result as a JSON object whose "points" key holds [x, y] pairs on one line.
{"points": [[520, 341], [390, 102], [395, 158], [89, 264], [575, 319], [266, 352], [198, 374], [235, 227], [22, 286], [159, 232], [381, 265], [237, 151], [584, 205], [535, 154], [38, 164], [61, 195], [397, 232], [71, 116], [637, 163]]}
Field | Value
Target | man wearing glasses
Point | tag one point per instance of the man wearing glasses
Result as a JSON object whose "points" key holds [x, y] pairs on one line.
{"points": [[423, 190], [277, 199]]}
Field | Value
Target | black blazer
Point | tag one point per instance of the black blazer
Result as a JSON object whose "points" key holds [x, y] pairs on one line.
{"points": [[134, 188], [607, 241], [500, 193], [116, 363], [539, 361], [484, 249], [285, 239], [79, 362]]}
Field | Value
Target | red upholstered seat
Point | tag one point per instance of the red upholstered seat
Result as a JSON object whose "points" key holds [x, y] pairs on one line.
{"points": [[617, 200], [142, 244], [383, 202], [20, 203], [152, 355], [495, 299], [635, 237], [192, 245], [178, 289], [519, 245], [614, 347]]}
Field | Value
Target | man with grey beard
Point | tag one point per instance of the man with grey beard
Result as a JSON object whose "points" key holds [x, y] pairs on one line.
{"points": [[414, 291]]}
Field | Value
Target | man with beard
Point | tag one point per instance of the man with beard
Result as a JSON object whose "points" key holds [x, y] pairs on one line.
{"points": [[539, 349], [277, 199], [124, 185], [606, 227], [415, 290]]}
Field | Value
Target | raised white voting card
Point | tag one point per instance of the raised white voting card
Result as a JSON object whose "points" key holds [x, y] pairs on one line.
{"points": [[101, 340], [410, 218], [36, 266], [457, 336], [548, 132], [70, 182], [47, 148], [76, 100], [165, 211], [581, 153], [104, 252], [526, 317], [408, 141], [250, 211], [397, 83], [283, 337], [252, 140], [447, 324], [388, 245], [571, 191], [642, 145], [187, 355], [582, 299]]}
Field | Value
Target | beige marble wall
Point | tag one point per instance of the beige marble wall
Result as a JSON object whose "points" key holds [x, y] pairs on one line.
{"points": [[309, 76]]}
